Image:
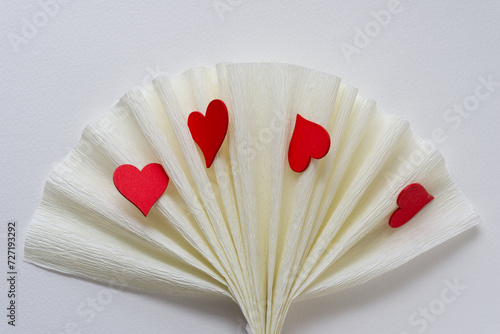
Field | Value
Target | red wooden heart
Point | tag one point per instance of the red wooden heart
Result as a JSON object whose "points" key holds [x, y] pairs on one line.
{"points": [[142, 188], [309, 140], [411, 200], [210, 130]]}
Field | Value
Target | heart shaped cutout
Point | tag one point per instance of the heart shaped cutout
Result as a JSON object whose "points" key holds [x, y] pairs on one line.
{"points": [[411, 200], [309, 140], [210, 130], [142, 188]]}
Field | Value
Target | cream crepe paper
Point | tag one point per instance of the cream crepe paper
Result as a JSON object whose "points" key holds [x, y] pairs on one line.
{"points": [[248, 228]]}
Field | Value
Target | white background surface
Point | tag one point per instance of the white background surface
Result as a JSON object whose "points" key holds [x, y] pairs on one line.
{"points": [[428, 57]]}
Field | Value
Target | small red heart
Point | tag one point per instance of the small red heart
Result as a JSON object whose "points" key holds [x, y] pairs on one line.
{"points": [[142, 188], [411, 200], [210, 130], [309, 140]]}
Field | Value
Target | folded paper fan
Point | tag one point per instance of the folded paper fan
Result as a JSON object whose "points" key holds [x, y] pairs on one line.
{"points": [[261, 182]]}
